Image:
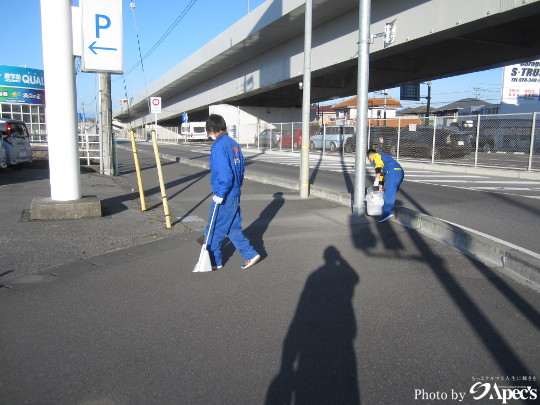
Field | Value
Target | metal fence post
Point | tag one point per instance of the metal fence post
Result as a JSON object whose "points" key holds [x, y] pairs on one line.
{"points": [[434, 135], [324, 140], [398, 138], [477, 141], [531, 149]]}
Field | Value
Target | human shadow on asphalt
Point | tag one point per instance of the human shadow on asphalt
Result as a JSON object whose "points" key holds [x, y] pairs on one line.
{"points": [[493, 340], [318, 364], [255, 231]]}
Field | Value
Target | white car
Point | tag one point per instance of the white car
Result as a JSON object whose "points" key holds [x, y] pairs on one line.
{"points": [[15, 141]]}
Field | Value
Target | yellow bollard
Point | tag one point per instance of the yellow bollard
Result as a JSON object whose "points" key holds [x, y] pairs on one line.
{"points": [[161, 183], [138, 170]]}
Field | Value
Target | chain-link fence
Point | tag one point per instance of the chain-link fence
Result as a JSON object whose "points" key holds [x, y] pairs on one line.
{"points": [[505, 141]]}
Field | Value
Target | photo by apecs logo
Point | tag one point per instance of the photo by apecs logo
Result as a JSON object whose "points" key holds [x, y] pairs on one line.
{"points": [[481, 390]]}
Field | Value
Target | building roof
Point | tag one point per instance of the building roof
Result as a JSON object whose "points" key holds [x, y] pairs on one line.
{"points": [[417, 110], [372, 103], [326, 109], [463, 103]]}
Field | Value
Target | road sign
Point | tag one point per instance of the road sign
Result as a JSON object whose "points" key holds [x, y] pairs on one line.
{"points": [[184, 117], [155, 105], [102, 36]]}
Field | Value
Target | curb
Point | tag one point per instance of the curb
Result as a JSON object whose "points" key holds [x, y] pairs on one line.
{"points": [[518, 264]]}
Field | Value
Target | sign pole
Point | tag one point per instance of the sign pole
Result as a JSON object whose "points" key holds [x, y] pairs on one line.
{"points": [[306, 102], [61, 110], [364, 21]]}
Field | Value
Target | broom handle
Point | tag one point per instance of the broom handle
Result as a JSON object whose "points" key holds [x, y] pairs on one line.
{"points": [[211, 222]]}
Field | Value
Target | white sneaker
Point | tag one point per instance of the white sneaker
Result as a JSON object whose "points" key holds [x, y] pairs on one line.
{"points": [[216, 267], [251, 262]]}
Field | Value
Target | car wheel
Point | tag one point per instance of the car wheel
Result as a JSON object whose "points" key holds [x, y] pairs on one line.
{"points": [[332, 147], [295, 145], [393, 150], [312, 145], [348, 148], [435, 154], [486, 148]]}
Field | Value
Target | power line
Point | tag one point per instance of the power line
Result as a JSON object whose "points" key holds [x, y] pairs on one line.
{"points": [[179, 18]]}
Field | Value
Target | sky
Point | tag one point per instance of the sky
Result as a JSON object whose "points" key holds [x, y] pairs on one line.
{"points": [[197, 22]]}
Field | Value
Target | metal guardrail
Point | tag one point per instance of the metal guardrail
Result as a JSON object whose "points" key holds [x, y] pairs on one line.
{"points": [[89, 148]]}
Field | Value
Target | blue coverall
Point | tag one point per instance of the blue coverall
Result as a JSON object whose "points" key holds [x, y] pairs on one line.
{"points": [[393, 177], [226, 177]]}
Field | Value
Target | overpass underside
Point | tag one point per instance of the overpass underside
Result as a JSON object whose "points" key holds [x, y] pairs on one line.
{"points": [[259, 61]]}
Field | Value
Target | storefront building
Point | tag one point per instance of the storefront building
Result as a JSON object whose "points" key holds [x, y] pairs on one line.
{"points": [[22, 97]]}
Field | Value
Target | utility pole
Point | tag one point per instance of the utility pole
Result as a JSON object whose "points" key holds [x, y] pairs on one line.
{"points": [[105, 128], [364, 39], [306, 104]]}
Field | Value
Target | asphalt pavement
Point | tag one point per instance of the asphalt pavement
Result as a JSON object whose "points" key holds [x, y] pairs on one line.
{"points": [[505, 215], [338, 311]]}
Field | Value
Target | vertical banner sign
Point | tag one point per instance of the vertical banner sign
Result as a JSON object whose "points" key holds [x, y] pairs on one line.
{"points": [[155, 105], [102, 36], [521, 84]]}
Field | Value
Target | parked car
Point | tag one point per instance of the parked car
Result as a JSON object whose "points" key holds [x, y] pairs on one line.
{"points": [[268, 137], [194, 131], [417, 141], [293, 140], [333, 137], [3, 162], [15, 142]]}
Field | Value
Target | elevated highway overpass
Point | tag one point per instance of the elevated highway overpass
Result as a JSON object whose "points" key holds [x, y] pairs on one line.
{"points": [[259, 60]]}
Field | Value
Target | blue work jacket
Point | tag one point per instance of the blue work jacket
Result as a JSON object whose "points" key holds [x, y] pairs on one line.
{"points": [[226, 167], [384, 162]]}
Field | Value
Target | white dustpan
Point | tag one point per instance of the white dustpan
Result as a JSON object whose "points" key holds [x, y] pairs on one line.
{"points": [[204, 263]]}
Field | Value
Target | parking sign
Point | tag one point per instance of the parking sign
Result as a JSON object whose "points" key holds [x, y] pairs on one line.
{"points": [[102, 36]]}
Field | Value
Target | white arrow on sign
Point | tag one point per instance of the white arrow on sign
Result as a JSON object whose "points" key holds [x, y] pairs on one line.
{"points": [[102, 36]]}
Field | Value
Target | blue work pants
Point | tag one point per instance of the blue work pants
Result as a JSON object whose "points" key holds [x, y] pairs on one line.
{"points": [[392, 181], [227, 222]]}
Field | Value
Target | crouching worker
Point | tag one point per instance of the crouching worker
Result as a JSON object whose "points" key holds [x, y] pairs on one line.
{"points": [[226, 177], [393, 177]]}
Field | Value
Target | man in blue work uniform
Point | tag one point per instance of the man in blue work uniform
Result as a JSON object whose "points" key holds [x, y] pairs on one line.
{"points": [[226, 177], [393, 177]]}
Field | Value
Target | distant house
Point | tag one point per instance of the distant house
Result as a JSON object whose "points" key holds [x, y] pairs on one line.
{"points": [[466, 106], [381, 112], [325, 114], [420, 111]]}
